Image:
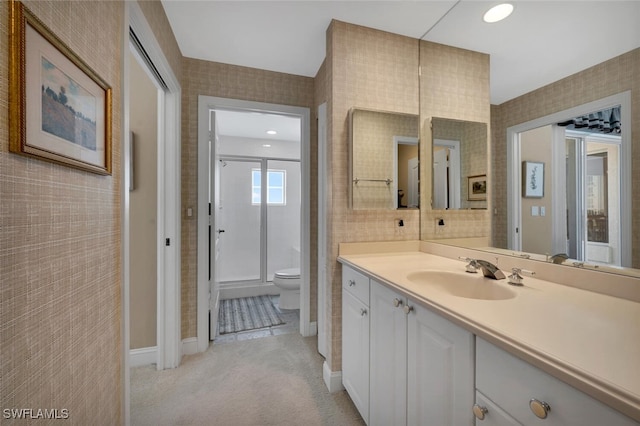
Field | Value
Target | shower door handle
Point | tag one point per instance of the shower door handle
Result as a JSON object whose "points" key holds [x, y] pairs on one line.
{"points": [[220, 231]]}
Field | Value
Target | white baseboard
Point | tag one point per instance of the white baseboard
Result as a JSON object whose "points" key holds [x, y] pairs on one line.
{"points": [[190, 346], [143, 356], [333, 379]]}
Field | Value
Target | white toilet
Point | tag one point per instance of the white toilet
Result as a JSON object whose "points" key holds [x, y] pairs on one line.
{"points": [[288, 281]]}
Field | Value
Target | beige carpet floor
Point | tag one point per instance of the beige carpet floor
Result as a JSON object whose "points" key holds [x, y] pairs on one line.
{"points": [[274, 380]]}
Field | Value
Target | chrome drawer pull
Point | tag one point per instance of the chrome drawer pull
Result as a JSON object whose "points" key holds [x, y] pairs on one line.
{"points": [[408, 309], [397, 302], [539, 408], [363, 312], [479, 411], [352, 283]]}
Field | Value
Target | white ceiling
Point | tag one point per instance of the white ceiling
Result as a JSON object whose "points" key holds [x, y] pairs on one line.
{"points": [[541, 42]]}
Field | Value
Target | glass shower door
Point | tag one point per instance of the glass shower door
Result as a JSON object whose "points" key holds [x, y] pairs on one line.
{"points": [[240, 218], [283, 216]]}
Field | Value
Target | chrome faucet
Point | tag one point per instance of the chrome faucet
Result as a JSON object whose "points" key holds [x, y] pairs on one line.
{"points": [[489, 270]]}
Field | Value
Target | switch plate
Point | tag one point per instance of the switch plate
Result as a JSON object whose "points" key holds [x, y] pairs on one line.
{"points": [[535, 211], [543, 211]]}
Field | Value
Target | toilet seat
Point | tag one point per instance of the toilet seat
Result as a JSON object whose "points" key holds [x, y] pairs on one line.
{"points": [[288, 274]]}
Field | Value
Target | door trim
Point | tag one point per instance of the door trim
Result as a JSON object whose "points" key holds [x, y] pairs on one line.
{"points": [[168, 315], [206, 103]]}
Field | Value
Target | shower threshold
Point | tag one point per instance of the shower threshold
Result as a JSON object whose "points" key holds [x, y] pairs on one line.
{"points": [[235, 289]]}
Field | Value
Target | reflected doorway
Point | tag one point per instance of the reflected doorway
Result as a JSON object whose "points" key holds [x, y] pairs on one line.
{"points": [[584, 210]]}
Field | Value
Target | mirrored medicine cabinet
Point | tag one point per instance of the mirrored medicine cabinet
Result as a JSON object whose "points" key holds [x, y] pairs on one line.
{"points": [[384, 166]]}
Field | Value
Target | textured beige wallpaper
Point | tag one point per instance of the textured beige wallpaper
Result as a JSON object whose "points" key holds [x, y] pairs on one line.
{"points": [[227, 81], [454, 83], [366, 69], [60, 248], [608, 78]]}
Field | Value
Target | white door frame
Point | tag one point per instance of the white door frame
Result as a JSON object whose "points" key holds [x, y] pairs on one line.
{"points": [[322, 229], [168, 301], [205, 104], [514, 215], [399, 140]]}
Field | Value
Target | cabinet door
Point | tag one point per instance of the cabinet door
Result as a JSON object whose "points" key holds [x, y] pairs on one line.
{"points": [[355, 351], [388, 377], [440, 371]]}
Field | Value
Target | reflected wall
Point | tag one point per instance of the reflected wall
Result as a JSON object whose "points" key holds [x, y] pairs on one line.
{"points": [[454, 84], [608, 78]]}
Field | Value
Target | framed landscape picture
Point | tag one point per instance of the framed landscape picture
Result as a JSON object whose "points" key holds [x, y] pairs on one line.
{"points": [[477, 188], [62, 108]]}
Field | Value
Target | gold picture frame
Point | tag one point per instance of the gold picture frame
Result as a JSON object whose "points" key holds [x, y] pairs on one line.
{"points": [[60, 109]]}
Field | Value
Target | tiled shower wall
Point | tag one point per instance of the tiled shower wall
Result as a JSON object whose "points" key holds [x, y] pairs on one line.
{"points": [[235, 82], [608, 78], [60, 246]]}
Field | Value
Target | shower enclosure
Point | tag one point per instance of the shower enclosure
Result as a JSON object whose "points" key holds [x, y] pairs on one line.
{"points": [[259, 218]]}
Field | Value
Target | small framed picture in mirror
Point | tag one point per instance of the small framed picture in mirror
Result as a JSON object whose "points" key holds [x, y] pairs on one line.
{"points": [[477, 188], [532, 179]]}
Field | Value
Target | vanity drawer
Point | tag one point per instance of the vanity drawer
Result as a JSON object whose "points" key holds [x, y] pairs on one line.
{"points": [[494, 415], [356, 283], [512, 383]]}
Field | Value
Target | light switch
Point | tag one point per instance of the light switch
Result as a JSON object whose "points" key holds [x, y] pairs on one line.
{"points": [[535, 211], [543, 210]]}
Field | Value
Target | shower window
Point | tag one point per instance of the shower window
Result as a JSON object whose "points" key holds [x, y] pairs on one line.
{"points": [[276, 187]]}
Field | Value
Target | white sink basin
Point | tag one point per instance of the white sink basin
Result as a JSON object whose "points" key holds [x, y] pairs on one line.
{"points": [[470, 286]]}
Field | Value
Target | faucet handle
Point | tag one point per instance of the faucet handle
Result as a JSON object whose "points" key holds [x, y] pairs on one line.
{"points": [[516, 279], [472, 266]]}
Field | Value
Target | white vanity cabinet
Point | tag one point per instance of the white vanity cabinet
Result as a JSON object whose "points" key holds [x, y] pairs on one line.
{"points": [[519, 390], [422, 366], [355, 338]]}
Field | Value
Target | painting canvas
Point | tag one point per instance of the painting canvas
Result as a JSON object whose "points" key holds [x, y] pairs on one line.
{"points": [[477, 188], [63, 111], [532, 179], [70, 113]]}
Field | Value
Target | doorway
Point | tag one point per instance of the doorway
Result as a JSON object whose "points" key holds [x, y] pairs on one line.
{"points": [[446, 174], [218, 157]]}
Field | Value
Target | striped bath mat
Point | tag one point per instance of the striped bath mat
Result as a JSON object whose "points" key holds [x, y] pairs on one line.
{"points": [[247, 313]]}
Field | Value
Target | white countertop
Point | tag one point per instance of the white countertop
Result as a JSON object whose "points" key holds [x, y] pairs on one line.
{"points": [[589, 340]]}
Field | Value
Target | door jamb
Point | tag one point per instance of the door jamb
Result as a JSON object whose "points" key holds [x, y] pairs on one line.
{"points": [[169, 193]]}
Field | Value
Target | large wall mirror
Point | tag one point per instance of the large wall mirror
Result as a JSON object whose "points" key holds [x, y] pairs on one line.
{"points": [[383, 160], [569, 186], [459, 164]]}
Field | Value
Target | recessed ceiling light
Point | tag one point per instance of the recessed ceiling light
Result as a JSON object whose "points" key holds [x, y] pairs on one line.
{"points": [[498, 13], [266, 145], [271, 132]]}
